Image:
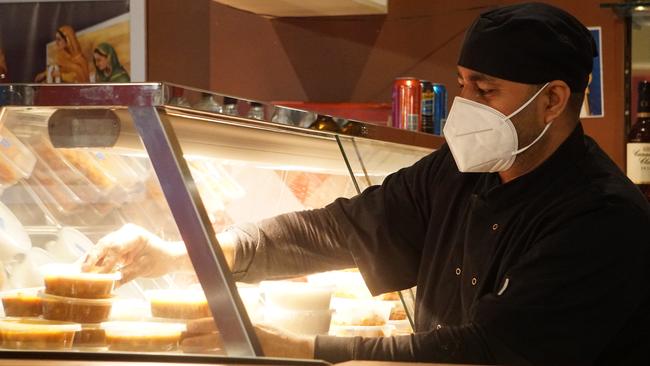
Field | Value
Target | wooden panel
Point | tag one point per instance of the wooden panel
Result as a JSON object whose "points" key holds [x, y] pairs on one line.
{"points": [[178, 42], [355, 59], [309, 8]]}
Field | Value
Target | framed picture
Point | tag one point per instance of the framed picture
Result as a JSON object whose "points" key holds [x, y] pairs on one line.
{"points": [[73, 41], [593, 105]]}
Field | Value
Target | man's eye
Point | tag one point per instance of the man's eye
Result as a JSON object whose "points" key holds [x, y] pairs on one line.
{"points": [[484, 91]]}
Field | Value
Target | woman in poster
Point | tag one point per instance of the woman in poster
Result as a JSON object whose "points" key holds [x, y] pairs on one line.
{"points": [[107, 65], [71, 66]]}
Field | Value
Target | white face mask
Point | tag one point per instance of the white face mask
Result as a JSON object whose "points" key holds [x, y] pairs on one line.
{"points": [[481, 138]]}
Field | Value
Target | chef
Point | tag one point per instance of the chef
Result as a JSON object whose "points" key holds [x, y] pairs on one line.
{"points": [[526, 242]]}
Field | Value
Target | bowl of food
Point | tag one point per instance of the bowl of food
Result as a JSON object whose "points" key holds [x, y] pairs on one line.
{"points": [[72, 309], [143, 336], [13, 237], [90, 336], [296, 295], [67, 280], [32, 333], [178, 304], [308, 322], [361, 312], [24, 302]]}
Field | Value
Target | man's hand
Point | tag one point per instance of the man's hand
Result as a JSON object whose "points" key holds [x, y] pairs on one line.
{"points": [[281, 343], [136, 253], [203, 336]]}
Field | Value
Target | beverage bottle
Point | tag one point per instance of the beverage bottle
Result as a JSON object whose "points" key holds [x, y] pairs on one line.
{"points": [[207, 103], [230, 106], [638, 143], [178, 98], [353, 128], [256, 111], [325, 123]]}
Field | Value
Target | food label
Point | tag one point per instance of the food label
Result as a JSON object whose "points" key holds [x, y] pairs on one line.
{"points": [[638, 162]]}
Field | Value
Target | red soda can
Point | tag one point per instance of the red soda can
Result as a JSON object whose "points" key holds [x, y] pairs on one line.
{"points": [[406, 104]]}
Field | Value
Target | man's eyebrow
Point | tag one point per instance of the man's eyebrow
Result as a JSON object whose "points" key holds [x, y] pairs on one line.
{"points": [[478, 77]]}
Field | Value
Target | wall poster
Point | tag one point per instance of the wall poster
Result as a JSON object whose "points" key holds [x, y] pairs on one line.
{"points": [[72, 41], [593, 105]]}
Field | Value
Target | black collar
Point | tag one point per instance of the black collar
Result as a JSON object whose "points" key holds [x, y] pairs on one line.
{"points": [[562, 162]]}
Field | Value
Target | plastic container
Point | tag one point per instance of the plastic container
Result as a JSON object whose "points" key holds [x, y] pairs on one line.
{"points": [[54, 197], [361, 312], [130, 309], [401, 327], [25, 271], [296, 295], [397, 311], [24, 302], [23, 203], [76, 310], [13, 238], [361, 331], [87, 165], [308, 322], [116, 167], [68, 280], [70, 245], [143, 336], [347, 284], [67, 172], [178, 304], [16, 161], [31, 334], [250, 296], [90, 337]]}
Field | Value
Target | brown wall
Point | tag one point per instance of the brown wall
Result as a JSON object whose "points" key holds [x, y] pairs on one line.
{"points": [[178, 42], [349, 59]]}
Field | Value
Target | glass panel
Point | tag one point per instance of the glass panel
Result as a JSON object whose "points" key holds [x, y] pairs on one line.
{"points": [[57, 202], [375, 160], [371, 162]]}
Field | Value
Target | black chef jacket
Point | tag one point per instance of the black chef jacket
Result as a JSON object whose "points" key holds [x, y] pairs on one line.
{"points": [[550, 268]]}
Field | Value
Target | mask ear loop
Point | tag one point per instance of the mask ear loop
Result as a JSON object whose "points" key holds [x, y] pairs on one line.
{"points": [[528, 102], [534, 141], [516, 152]]}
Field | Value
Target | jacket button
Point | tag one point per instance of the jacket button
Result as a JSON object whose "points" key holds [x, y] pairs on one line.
{"points": [[474, 281], [495, 227], [458, 271]]}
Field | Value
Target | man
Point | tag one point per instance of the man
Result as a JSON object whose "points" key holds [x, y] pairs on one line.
{"points": [[528, 245]]}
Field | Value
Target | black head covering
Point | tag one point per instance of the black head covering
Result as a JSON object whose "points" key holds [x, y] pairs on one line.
{"points": [[530, 43]]}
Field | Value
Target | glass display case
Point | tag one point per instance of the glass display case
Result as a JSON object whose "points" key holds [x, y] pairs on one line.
{"points": [[80, 161]]}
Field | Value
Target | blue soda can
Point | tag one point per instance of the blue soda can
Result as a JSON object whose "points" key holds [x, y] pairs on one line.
{"points": [[426, 114], [439, 108]]}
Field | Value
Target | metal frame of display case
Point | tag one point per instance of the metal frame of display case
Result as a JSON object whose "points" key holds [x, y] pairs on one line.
{"points": [[143, 101]]}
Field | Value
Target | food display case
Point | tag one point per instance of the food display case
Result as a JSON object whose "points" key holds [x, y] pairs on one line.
{"points": [[80, 161]]}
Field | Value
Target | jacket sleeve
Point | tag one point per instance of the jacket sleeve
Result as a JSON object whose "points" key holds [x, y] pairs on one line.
{"points": [[581, 280], [379, 230]]}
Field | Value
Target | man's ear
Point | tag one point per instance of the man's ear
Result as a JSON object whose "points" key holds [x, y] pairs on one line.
{"points": [[558, 93]]}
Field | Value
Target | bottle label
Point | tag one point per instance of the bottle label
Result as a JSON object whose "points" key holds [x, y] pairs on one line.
{"points": [[638, 162]]}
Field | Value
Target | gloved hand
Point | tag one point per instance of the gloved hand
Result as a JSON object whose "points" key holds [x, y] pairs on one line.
{"points": [[278, 342], [136, 253], [203, 336], [139, 253]]}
